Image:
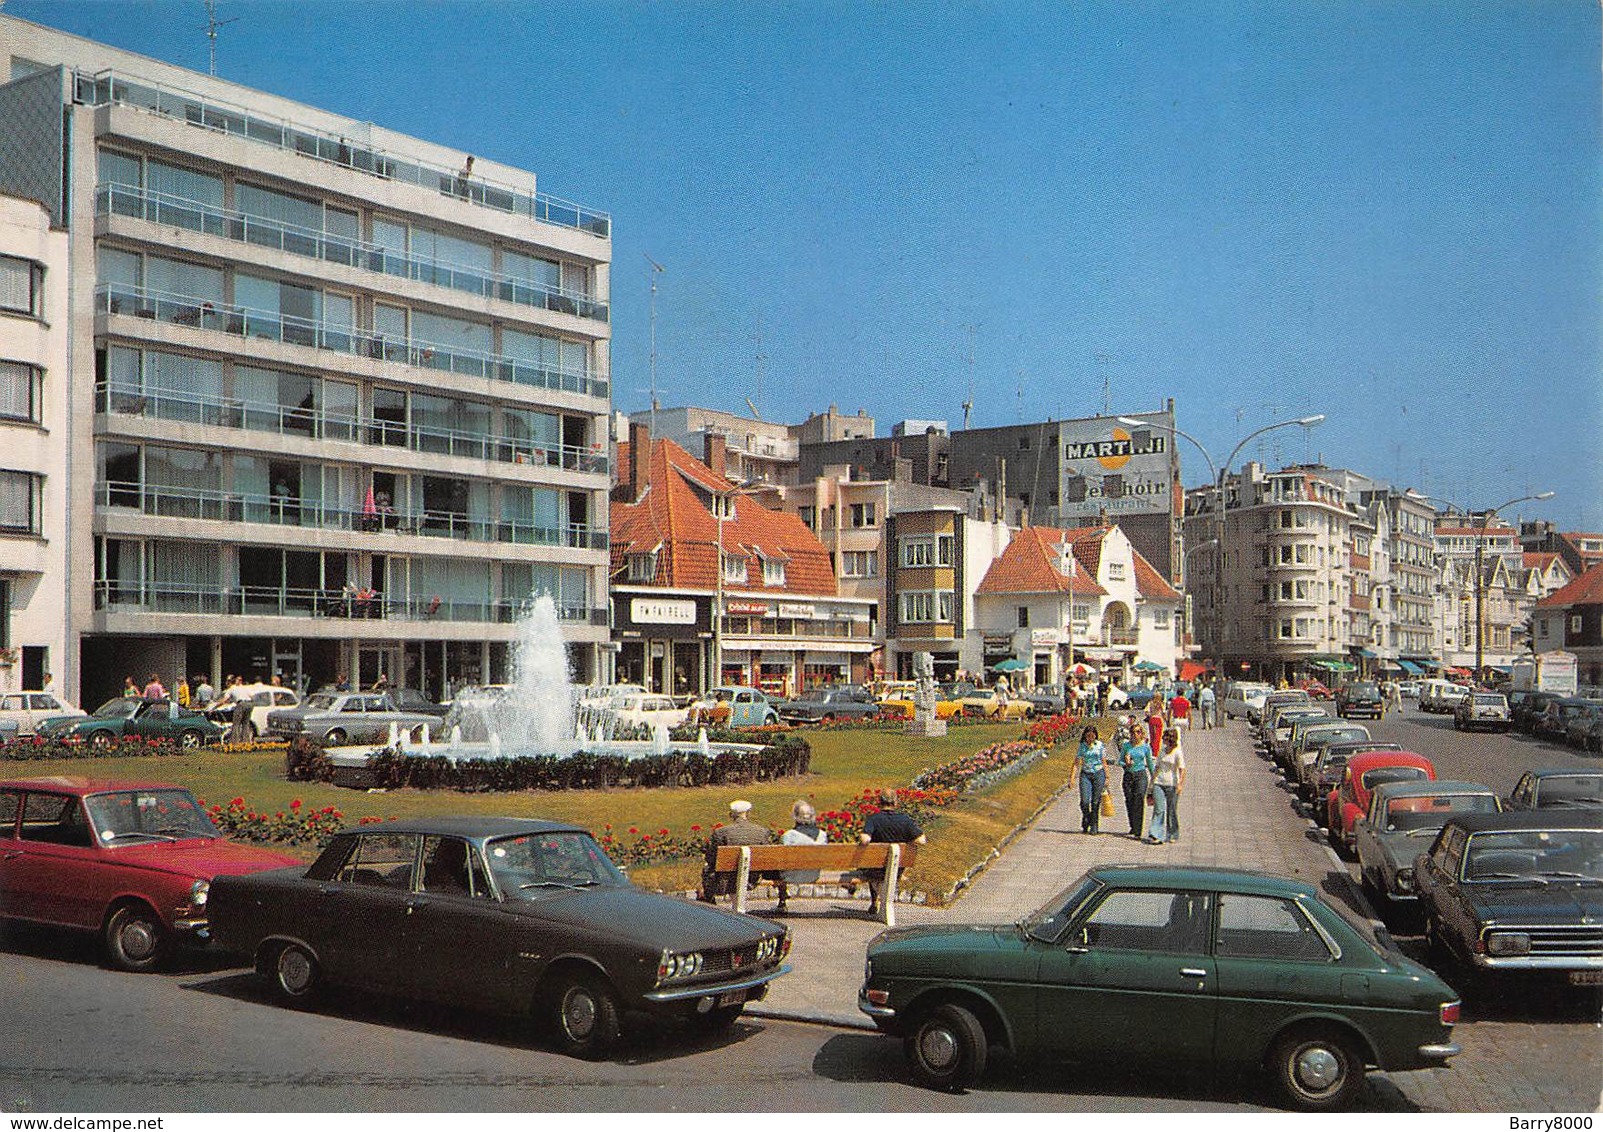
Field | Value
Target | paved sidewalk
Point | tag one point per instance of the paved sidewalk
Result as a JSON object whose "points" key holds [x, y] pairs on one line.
{"points": [[1233, 813]]}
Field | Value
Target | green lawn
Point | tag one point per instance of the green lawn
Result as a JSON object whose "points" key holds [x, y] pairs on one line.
{"points": [[844, 763]]}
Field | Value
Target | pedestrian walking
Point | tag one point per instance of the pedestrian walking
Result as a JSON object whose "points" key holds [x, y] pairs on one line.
{"points": [[1207, 704], [1180, 711], [1168, 779], [1136, 758], [1156, 724], [1092, 758], [1102, 696], [204, 692]]}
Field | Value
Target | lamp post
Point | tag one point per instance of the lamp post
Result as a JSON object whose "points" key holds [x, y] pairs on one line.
{"points": [[721, 502], [1217, 474]]}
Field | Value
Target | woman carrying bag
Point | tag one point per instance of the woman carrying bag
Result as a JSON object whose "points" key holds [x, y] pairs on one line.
{"points": [[1092, 758]]}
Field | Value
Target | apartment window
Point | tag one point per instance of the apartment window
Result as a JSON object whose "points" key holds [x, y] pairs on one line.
{"points": [[859, 564], [1160, 618], [918, 607], [20, 281], [945, 549], [19, 503], [1575, 622], [642, 567], [19, 392], [943, 605], [808, 515], [1024, 617], [862, 515], [1115, 571], [918, 552]]}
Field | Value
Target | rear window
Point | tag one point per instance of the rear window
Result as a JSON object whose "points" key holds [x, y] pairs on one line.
{"points": [[1432, 811], [1374, 778], [1571, 789], [1490, 701]]}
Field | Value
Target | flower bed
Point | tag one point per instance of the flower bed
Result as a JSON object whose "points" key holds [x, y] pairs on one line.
{"points": [[38, 749], [959, 776], [294, 826], [1054, 729]]}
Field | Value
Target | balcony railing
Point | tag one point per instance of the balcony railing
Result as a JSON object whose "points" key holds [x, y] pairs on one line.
{"points": [[293, 511], [127, 399], [107, 87], [1121, 637], [244, 322], [789, 629], [162, 208], [269, 601]]}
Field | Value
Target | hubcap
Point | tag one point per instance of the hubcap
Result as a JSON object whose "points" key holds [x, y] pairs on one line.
{"points": [[1318, 1068], [294, 971], [938, 1047], [578, 1014], [189, 739], [138, 940]]}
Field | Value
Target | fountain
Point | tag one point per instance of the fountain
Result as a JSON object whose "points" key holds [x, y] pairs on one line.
{"points": [[533, 716]]}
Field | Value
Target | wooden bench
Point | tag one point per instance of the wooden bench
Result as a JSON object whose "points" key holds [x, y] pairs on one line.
{"points": [[891, 859]]}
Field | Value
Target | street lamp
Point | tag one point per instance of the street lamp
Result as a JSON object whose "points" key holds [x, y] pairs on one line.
{"points": [[1217, 474]]}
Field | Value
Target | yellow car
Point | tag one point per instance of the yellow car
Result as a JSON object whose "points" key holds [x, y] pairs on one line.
{"points": [[897, 700], [993, 704]]}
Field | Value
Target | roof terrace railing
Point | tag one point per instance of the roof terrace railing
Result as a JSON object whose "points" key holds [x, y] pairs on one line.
{"points": [[107, 88], [164, 208], [292, 601]]}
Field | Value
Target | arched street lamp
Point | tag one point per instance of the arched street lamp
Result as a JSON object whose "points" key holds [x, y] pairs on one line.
{"points": [[1217, 473]]}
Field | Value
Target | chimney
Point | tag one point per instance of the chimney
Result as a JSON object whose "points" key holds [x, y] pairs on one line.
{"points": [[715, 454], [639, 458]]}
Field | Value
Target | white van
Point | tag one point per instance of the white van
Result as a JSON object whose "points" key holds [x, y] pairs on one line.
{"points": [[1440, 696]]}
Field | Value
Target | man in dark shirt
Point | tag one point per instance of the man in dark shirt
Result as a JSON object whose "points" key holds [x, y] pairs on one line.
{"points": [[741, 830], [888, 826]]}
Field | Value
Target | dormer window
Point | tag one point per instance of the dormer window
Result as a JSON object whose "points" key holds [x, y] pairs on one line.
{"points": [[642, 567], [723, 507], [773, 571], [1115, 571], [735, 569]]}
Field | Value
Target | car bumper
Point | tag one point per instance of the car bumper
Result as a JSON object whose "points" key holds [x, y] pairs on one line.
{"points": [[1555, 964], [1437, 1052], [761, 980], [877, 1013]]}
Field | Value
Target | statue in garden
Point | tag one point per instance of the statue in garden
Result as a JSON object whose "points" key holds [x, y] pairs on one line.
{"points": [[924, 720]]}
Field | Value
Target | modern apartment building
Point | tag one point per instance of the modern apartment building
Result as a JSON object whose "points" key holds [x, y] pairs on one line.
{"points": [[34, 387], [337, 397]]}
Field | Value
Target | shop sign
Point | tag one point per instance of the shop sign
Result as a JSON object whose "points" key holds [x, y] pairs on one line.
{"points": [[794, 609], [662, 611], [749, 608], [1004, 643], [1043, 636]]}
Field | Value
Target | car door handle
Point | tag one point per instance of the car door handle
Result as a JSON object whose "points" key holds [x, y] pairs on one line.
{"points": [[1194, 972]]}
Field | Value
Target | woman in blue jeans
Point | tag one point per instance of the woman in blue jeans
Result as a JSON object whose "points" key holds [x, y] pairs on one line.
{"points": [[1093, 779], [1168, 778]]}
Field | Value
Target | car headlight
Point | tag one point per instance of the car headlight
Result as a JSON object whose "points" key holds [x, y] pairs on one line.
{"points": [[768, 948], [1405, 880], [673, 966], [1508, 943], [198, 892]]}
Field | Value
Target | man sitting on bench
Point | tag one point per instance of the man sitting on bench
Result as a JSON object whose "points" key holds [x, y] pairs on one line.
{"points": [[889, 825], [741, 830]]}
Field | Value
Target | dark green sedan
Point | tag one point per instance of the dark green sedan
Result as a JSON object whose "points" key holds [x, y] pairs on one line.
{"points": [[121, 718], [1164, 966]]}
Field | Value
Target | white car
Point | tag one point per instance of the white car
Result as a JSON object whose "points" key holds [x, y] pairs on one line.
{"points": [[607, 695], [263, 698], [649, 709], [1244, 698], [26, 709]]}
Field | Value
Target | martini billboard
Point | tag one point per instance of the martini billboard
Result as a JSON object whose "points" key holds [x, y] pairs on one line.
{"points": [[1116, 469]]}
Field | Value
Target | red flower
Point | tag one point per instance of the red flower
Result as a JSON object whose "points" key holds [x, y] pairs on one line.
{"points": [[662, 833], [695, 829], [632, 829], [295, 804]]}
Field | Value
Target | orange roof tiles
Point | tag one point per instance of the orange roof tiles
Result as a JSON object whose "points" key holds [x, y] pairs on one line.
{"points": [[1585, 590], [675, 512], [1030, 564], [1149, 583]]}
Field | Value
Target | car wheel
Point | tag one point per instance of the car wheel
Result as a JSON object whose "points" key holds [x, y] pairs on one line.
{"points": [[295, 973], [136, 940], [334, 738], [584, 1015], [1317, 1070], [102, 740], [947, 1049], [190, 739]]}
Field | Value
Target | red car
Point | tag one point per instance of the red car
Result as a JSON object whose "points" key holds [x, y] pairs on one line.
{"points": [[1349, 802], [132, 861], [1315, 690]]}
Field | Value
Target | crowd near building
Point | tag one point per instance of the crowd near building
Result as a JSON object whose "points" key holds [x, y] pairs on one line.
{"points": [[287, 394]]}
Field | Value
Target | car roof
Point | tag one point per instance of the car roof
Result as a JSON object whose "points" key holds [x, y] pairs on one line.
{"points": [[74, 784], [1369, 760], [1418, 789], [1530, 819], [1565, 771], [1361, 746], [469, 827], [1199, 876]]}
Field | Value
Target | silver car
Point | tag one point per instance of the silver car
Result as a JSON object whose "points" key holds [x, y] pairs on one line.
{"points": [[1482, 709], [338, 719]]}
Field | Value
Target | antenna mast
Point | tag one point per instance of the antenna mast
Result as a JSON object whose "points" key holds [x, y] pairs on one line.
{"points": [[968, 405], [758, 361], [212, 24], [656, 270]]}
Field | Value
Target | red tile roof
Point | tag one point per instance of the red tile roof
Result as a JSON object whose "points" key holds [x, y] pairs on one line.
{"points": [[675, 515], [1585, 590], [1539, 560], [1149, 583], [1029, 565]]}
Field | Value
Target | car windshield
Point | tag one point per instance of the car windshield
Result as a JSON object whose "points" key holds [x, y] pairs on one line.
{"points": [[1427, 812], [322, 702], [1571, 790], [120, 708], [1541, 854], [532, 864], [1048, 921], [148, 815], [1489, 700]]}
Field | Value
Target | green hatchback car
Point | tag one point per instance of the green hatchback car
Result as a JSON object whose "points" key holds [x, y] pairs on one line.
{"points": [[1217, 967]]}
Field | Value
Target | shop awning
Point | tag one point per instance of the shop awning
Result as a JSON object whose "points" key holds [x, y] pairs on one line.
{"points": [[1457, 671], [1367, 654], [1011, 664], [1148, 666], [1334, 665], [1411, 668], [1191, 669], [1504, 669]]}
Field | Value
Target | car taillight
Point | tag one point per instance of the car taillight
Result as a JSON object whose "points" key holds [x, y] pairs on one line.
{"points": [[1448, 1013]]}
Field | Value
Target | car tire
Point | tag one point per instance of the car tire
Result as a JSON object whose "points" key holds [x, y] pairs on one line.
{"points": [[295, 974], [102, 740], [190, 739], [334, 737], [136, 939], [947, 1049], [584, 1016], [1317, 1070]]}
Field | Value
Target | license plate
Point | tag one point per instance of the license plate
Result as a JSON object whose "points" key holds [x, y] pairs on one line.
{"points": [[1586, 978], [736, 997]]}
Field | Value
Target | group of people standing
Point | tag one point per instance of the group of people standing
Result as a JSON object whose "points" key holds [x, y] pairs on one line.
{"points": [[1152, 758]]}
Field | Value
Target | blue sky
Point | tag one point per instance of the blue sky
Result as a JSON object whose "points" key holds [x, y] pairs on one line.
{"points": [[1386, 212]]}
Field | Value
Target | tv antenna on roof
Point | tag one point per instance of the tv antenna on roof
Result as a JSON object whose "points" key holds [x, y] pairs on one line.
{"points": [[656, 270], [212, 24], [968, 405]]}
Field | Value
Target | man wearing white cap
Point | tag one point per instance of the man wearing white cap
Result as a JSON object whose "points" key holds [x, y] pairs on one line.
{"points": [[740, 830]]}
